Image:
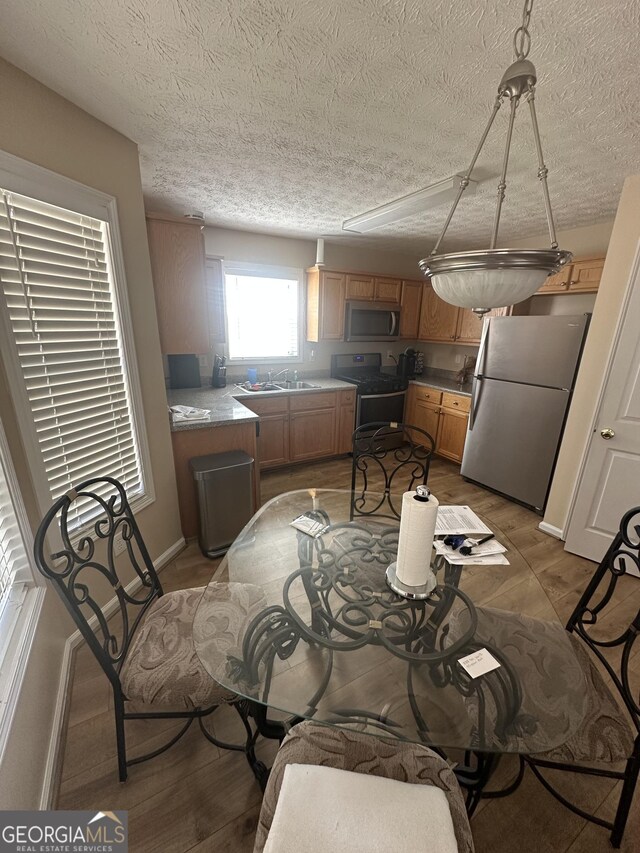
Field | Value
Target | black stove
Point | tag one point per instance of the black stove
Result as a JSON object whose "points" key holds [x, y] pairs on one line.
{"points": [[364, 371]]}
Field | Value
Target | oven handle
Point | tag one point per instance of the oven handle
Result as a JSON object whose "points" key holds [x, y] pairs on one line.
{"points": [[380, 396]]}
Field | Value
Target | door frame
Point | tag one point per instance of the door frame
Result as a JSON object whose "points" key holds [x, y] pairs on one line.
{"points": [[633, 281]]}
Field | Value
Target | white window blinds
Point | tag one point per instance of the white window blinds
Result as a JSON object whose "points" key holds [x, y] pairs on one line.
{"points": [[14, 565], [262, 306], [61, 304]]}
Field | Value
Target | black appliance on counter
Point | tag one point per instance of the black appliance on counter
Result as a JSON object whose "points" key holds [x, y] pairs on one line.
{"points": [[407, 362], [184, 371], [219, 375], [379, 396]]}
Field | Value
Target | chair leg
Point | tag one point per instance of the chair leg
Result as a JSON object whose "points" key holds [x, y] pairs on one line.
{"points": [[630, 778], [120, 738]]}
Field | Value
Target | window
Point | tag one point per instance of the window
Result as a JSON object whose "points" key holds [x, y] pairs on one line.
{"points": [[263, 306], [62, 311], [15, 572]]}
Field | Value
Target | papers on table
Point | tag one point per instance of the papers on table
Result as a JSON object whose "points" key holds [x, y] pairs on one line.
{"points": [[458, 519], [490, 553], [188, 413], [478, 663]]}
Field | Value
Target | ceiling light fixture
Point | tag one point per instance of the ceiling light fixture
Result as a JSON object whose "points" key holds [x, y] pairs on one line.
{"points": [[408, 205], [491, 278]]}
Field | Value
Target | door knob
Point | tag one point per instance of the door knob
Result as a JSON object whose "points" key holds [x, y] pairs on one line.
{"points": [[607, 433]]}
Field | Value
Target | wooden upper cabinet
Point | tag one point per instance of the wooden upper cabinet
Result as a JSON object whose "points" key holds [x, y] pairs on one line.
{"points": [[360, 287], [438, 319], [582, 276], [387, 290], [410, 302], [469, 330], [586, 275], [178, 268], [325, 305]]}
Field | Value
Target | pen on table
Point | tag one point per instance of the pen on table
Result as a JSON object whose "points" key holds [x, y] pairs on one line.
{"points": [[468, 549]]}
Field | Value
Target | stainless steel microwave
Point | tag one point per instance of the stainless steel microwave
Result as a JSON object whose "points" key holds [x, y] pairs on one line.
{"points": [[372, 321]]}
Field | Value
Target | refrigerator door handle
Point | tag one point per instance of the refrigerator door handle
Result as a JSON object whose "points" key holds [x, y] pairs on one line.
{"points": [[483, 348], [476, 392]]}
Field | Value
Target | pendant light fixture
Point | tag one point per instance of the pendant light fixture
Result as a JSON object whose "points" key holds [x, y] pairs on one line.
{"points": [[492, 278]]}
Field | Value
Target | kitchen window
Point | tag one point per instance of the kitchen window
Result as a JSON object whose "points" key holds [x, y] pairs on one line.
{"points": [[67, 344], [264, 312]]}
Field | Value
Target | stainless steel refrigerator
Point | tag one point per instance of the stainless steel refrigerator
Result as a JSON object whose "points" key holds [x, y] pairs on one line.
{"points": [[525, 372]]}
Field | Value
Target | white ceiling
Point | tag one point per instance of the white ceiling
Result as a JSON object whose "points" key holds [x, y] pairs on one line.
{"points": [[288, 116]]}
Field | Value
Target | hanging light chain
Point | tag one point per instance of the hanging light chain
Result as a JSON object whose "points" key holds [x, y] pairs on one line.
{"points": [[522, 37]]}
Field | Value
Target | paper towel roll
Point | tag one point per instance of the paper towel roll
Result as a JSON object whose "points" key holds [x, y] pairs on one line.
{"points": [[417, 528]]}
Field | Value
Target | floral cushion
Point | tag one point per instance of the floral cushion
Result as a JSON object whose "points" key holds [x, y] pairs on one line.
{"points": [[162, 666]]}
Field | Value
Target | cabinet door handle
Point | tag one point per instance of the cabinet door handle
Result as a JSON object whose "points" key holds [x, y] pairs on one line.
{"points": [[456, 404]]}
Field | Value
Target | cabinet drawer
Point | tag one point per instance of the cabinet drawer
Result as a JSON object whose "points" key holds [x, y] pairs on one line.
{"points": [[305, 402], [456, 401], [428, 395], [347, 398], [266, 406]]}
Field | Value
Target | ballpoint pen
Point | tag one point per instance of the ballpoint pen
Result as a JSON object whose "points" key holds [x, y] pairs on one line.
{"points": [[465, 550]]}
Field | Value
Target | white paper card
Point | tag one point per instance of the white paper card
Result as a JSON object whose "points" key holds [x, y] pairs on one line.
{"points": [[458, 519], [478, 663]]}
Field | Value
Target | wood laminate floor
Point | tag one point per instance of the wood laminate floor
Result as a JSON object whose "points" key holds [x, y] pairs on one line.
{"points": [[197, 798]]}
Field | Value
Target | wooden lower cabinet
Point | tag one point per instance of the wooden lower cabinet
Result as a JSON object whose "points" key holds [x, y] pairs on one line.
{"points": [[200, 442], [312, 434], [346, 421], [273, 440], [452, 432], [444, 415], [301, 427]]}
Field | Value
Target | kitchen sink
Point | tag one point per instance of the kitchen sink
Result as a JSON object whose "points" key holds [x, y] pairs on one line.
{"points": [[262, 386], [290, 386]]}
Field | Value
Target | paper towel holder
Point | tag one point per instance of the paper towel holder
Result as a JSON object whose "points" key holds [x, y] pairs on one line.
{"points": [[417, 593]]}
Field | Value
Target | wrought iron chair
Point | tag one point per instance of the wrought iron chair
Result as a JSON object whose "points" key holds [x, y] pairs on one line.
{"points": [[388, 459], [607, 741], [607, 734], [146, 647]]}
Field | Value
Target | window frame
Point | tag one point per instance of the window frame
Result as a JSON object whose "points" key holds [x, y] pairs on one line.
{"points": [[20, 617], [27, 179], [265, 271]]}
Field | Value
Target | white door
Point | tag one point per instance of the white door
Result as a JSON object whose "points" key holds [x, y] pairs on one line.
{"points": [[610, 481]]}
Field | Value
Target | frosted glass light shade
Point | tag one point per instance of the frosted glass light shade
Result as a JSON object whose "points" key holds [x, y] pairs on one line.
{"points": [[491, 278], [487, 288]]}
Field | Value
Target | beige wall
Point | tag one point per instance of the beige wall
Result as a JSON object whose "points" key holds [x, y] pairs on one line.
{"points": [[286, 251], [43, 128], [622, 247]]}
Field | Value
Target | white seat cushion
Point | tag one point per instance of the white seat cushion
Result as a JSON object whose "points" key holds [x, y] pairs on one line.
{"points": [[321, 809]]}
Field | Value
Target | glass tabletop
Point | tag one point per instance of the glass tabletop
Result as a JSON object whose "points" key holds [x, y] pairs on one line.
{"points": [[310, 629]]}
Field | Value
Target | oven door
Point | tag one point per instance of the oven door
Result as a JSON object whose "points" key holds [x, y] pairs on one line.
{"points": [[380, 407]]}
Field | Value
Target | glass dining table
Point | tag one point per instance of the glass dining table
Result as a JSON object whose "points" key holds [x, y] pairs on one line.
{"points": [[307, 628]]}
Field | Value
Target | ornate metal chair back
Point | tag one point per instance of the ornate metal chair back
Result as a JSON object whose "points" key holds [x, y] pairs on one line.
{"points": [[90, 547], [611, 642], [388, 460]]}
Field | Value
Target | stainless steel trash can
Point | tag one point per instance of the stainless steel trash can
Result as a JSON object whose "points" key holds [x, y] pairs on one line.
{"points": [[224, 482]]}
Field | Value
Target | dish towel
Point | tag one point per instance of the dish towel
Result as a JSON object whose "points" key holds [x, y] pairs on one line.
{"points": [[188, 413], [322, 809]]}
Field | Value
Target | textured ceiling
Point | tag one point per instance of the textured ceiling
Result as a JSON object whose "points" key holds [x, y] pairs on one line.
{"points": [[288, 117]]}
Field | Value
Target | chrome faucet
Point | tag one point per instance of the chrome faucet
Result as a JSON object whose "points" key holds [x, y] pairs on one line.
{"points": [[285, 370]]}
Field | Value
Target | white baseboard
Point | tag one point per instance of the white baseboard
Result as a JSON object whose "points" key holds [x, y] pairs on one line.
{"points": [[551, 530], [53, 755]]}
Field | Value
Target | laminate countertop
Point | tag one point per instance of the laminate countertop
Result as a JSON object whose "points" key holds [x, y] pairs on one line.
{"points": [[226, 404]]}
